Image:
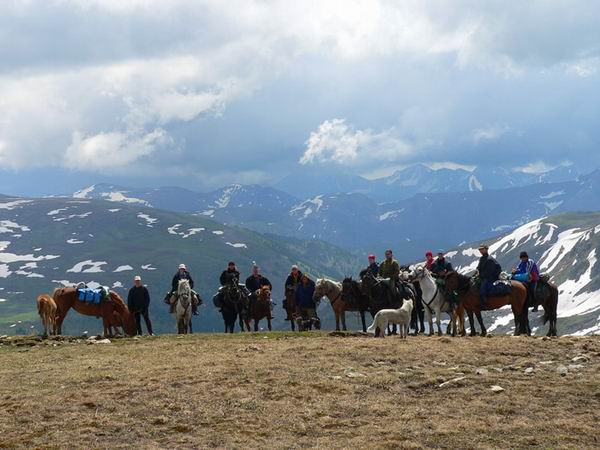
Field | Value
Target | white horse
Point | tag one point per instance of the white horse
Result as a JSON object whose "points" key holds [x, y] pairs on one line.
{"points": [[434, 299], [183, 310], [333, 291]]}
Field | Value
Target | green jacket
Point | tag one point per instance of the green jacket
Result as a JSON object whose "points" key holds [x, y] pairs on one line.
{"points": [[389, 269]]}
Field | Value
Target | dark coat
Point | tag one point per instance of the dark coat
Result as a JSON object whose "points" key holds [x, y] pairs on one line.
{"points": [[226, 276], [304, 295], [181, 276], [489, 269], [374, 269], [292, 282], [255, 283], [138, 298], [440, 266]]}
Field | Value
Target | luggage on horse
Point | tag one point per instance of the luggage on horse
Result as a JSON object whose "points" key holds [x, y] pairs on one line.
{"points": [[522, 277], [90, 295]]}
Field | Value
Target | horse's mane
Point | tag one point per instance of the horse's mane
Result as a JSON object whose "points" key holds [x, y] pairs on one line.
{"points": [[120, 305]]}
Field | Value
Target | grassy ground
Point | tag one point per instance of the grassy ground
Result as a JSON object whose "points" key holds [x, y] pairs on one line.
{"points": [[295, 391]]}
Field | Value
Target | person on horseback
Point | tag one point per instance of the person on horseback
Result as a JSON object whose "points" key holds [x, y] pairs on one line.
{"points": [[440, 267], [256, 281], [373, 267], [527, 272], [429, 260], [228, 273], [182, 274], [389, 268], [305, 292], [488, 271]]}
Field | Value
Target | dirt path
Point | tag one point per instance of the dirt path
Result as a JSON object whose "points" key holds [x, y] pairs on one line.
{"points": [[295, 392]]}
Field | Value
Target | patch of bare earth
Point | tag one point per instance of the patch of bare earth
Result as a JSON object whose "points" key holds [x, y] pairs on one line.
{"points": [[284, 391]]}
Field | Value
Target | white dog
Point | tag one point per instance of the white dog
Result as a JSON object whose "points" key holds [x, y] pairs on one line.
{"points": [[393, 316]]}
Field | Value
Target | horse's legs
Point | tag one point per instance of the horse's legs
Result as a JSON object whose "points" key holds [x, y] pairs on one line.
{"points": [[293, 324], [190, 327], [480, 320], [269, 323], [343, 314], [429, 320], [438, 322], [337, 320], [362, 319], [471, 323], [256, 324]]}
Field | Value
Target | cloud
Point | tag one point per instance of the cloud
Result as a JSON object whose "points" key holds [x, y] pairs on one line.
{"points": [[538, 167], [335, 141], [490, 133]]}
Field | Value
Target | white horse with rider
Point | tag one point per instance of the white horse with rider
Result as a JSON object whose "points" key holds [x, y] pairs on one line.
{"points": [[183, 309]]}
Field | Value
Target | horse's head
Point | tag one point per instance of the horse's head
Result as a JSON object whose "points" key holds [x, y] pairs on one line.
{"points": [[129, 324], [184, 291], [320, 289], [264, 293], [419, 273], [452, 281], [347, 284]]}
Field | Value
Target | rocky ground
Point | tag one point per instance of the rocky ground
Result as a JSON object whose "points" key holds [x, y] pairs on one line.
{"points": [[281, 390]]}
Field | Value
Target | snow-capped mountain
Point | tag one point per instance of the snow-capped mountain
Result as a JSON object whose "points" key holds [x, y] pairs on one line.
{"points": [[45, 243], [356, 221], [567, 247]]}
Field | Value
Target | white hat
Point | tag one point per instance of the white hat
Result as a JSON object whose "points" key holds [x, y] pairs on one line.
{"points": [[137, 278], [295, 267], [182, 266]]}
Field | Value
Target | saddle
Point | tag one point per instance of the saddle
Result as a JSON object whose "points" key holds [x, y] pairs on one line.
{"points": [[90, 295], [500, 288]]}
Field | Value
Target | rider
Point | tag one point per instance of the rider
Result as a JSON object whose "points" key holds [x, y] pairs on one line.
{"points": [[182, 274], [440, 266], [373, 267], [429, 260], [529, 272], [228, 273], [305, 292], [488, 271], [256, 281], [389, 268]]}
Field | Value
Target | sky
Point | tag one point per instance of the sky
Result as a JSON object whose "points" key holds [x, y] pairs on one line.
{"points": [[205, 93]]}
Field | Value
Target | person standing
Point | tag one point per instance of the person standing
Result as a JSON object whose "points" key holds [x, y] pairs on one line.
{"points": [[138, 302], [305, 301]]}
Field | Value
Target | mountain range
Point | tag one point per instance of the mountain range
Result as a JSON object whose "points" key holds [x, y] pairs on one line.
{"points": [[358, 222]]}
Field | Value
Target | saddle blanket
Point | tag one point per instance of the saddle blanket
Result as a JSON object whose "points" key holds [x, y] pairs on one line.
{"points": [[91, 295], [500, 288]]}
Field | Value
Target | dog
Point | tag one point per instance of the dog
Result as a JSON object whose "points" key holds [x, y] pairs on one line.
{"points": [[399, 316]]}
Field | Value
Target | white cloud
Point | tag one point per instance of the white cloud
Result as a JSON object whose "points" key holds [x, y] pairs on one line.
{"points": [[538, 167], [335, 141], [490, 133]]}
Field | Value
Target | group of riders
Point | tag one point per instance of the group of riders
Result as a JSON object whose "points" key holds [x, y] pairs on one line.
{"points": [[302, 288]]}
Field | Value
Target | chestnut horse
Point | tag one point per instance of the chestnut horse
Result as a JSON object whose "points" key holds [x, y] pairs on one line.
{"points": [[260, 307], [47, 311], [68, 297], [468, 296]]}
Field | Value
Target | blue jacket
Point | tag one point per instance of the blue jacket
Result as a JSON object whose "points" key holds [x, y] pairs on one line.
{"points": [[528, 267], [304, 295]]}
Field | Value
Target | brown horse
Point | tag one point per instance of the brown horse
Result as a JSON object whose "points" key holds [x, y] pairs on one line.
{"points": [[68, 297], [468, 295], [47, 311], [291, 308], [260, 307]]}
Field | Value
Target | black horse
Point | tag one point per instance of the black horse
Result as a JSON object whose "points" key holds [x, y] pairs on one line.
{"points": [[355, 299], [381, 295], [234, 303]]}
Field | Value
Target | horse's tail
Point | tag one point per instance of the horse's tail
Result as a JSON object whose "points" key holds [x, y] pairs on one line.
{"points": [[551, 306]]}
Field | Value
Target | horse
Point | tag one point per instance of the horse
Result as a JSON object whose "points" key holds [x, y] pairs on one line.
{"points": [[290, 307], [436, 300], [234, 304], [468, 295], [68, 297], [183, 308], [333, 291], [547, 299], [47, 311], [260, 307], [353, 299]]}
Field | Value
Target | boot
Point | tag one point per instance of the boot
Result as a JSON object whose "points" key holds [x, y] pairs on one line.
{"points": [[194, 309], [172, 308]]}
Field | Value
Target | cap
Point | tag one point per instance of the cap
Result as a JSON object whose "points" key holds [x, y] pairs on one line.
{"points": [[440, 252], [231, 263], [294, 267], [371, 256], [182, 266], [137, 278], [429, 253], [523, 255], [483, 246]]}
